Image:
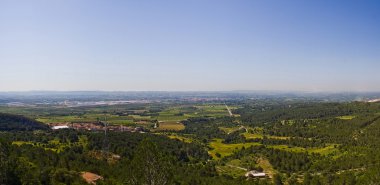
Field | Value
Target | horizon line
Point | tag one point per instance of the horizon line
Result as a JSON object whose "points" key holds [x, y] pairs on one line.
{"points": [[179, 91]]}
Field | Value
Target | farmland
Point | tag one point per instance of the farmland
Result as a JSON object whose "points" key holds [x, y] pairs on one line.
{"points": [[168, 118]]}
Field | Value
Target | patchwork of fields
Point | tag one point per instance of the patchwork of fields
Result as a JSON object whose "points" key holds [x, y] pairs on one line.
{"points": [[168, 119]]}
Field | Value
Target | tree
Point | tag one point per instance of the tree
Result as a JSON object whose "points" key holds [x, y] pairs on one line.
{"points": [[3, 162], [149, 166], [277, 180], [63, 176], [307, 179], [26, 171]]}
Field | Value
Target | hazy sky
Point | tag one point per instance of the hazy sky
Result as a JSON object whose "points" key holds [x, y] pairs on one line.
{"points": [[304, 45]]}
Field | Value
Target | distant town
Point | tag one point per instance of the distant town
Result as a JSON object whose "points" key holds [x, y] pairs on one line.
{"points": [[100, 126]]}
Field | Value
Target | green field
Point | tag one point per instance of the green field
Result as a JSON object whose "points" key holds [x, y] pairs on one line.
{"points": [[323, 151], [181, 138], [170, 117], [228, 169], [170, 125], [182, 112], [90, 117], [226, 149], [252, 136], [228, 130], [258, 135], [238, 167], [349, 117]]}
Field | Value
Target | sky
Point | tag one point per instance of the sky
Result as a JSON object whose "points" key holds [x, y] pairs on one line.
{"points": [[190, 45]]}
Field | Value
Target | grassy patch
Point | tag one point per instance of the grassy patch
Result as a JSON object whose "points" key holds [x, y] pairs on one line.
{"points": [[19, 143], [238, 167], [226, 149], [323, 151], [346, 117], [287, 148], [228, 130], [278, 137], [181, 138], [171, 125], [261, 136], [267, 167], [253, 135], [231, 170], [138, 117], [171, 117], [213, 110], [122, 122], [329, 149]]}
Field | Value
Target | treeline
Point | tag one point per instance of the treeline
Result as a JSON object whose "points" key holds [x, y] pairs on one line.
{"points": [[327, 130], [10, 122], [257, 114]]}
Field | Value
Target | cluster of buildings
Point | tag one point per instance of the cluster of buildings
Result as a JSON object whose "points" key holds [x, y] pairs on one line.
{"points": [[94, 127]]}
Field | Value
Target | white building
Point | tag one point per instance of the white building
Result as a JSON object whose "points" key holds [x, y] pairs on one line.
{"points": [[255, 174], [60, 127]]}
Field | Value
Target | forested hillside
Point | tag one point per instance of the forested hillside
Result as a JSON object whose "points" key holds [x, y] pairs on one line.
{"points": [[10, 122]]}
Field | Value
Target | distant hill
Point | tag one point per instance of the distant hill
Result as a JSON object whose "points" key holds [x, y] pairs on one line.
{"points": [[9, 122]]}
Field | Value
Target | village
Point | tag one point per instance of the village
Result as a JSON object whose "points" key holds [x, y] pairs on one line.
{"points": [[96, 126]]}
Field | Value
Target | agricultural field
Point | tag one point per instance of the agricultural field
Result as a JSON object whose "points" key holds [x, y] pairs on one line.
{"points": [[91, 118], [170, 125], [184, 112], [169, 118]]}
